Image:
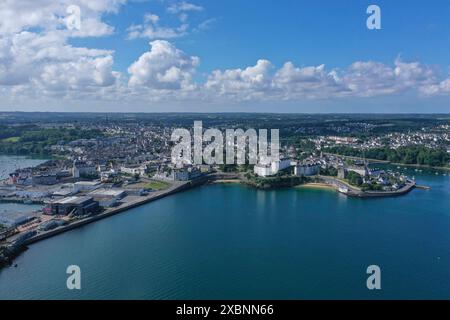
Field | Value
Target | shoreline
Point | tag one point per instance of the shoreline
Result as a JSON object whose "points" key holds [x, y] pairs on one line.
{"points": [[376, 161], [110, 212], [226, 181], [329, 183], [316, 185], [423, 166]]}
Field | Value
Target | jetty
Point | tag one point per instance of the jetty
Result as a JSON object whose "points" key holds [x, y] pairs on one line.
{"points": [[423, 187]]}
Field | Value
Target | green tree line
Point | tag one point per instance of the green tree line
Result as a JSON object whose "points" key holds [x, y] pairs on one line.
{"points": [[405, 155], [34, 141]]}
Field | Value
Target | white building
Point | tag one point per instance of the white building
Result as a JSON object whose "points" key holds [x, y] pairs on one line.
{"points": [[134, 170], [281, 164], [306, 169], [265, 170], [262, 170]]}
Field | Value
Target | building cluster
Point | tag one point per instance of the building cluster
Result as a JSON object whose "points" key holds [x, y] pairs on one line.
{"points": [[321, 165], [437, 138], [308, 167]]}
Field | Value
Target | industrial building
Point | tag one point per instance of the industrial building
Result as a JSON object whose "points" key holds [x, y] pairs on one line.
{"points": [[86, 186], [75, 205], [107, 197]]}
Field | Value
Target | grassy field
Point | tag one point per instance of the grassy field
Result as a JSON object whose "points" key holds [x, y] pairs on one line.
{"points": [[156, 185], [12, 139]]}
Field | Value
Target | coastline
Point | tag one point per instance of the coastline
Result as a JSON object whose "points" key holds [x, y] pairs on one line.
{"points": [[226, 181], [16, 249], [178, 187], [316, 185], [321, 183], [376, 161], [423, 166]]}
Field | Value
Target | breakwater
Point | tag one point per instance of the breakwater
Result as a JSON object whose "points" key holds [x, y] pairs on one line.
{"points": [[357, 193]]}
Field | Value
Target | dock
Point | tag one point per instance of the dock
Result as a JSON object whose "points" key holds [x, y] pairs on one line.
{"points": [[423, 187]]}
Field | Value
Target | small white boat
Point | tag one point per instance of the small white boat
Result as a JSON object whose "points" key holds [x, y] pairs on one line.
{"points": [[343, 190]]}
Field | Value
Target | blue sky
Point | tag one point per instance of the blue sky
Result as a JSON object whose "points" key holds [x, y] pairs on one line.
{"points": [[227, 55]]}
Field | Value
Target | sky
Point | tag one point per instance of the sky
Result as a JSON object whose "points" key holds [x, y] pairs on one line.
{"points": [[225, 56]]}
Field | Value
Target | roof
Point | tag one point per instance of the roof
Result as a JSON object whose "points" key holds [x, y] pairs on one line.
{"points": [[74, 200], [87, 183], [106, 192]]}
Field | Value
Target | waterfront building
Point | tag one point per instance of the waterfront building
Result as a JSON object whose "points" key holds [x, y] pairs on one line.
{"points": [[280, 165], [14, 219], [32, 192], [310, 169], [262, 170], [74, 205], [107, 197]]}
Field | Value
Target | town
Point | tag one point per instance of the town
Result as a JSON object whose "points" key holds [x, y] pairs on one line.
{"points": [[95, 168]]}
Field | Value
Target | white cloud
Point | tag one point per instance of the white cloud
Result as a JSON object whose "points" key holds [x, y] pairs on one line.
{"points": [[36, 58], [183, 7], [307, 82], [37, 61], [360, 79], [248, 83], [164, 67], [369, 79], [17, 16], [151, 29]]}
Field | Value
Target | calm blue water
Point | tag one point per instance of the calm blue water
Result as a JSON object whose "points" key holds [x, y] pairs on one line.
{"points": [[233, 242], [10, 163]]}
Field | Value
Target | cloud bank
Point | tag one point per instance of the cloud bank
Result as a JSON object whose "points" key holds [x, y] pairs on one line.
{"points": [[37, 60]]}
